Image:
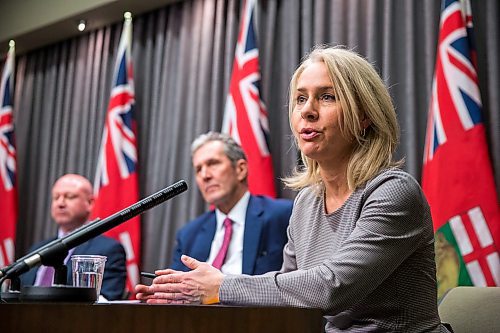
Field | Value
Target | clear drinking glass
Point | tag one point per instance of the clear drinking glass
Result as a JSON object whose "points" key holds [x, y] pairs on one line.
{"points": [[88, 271]]}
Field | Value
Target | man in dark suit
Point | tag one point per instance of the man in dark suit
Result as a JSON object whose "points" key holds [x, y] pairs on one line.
{"points": [[251, 241], [72, 203]]}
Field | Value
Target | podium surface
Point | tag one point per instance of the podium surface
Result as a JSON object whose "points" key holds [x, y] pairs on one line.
{"points": [[71, 317]]}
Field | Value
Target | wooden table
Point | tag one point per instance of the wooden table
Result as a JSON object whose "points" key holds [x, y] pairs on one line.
{"points": [[109, 318]]}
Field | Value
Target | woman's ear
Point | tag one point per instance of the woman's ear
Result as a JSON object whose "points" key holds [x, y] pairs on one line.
{"points": [[365, 123]]}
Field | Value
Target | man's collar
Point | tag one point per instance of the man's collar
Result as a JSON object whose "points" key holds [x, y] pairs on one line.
{"points": [[237, 214]]}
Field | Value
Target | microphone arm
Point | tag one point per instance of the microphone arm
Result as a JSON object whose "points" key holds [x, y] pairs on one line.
{"points": [[57, 250], [41, 248]]}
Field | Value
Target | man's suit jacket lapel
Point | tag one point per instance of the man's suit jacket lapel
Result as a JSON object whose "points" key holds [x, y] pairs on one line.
{"points": [[203, 242], [29, 277], [253, 225]]}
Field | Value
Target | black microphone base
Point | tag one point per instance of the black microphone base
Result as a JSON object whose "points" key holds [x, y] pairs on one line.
{"points": [[10, 296], [64, 294]]}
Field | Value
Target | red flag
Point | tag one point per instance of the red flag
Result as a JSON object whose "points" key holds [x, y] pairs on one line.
{"points": [[8, 192], [457, 176], [116, 185], [245, 117]]}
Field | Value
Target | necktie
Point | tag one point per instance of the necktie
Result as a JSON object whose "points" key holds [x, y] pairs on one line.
{"points": [[47, 276], [221, 256]]}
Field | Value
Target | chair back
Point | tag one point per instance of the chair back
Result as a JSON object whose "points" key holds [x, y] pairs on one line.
{"points": [[472, 309]]}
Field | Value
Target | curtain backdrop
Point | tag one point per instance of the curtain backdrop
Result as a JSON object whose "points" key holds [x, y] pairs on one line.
{"points": [[182, 57]]}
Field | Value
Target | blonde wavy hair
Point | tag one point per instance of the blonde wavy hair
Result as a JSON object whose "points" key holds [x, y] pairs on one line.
{"points": [[362, 94]]}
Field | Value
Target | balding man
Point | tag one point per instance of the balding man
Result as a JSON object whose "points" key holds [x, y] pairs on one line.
{"points": [[72, 203]]}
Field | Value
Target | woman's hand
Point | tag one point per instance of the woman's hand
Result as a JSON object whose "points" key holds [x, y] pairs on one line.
{"points": [[144, 292], [199, 286]]}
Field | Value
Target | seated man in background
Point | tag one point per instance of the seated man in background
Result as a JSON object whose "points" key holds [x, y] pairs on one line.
{"points": [[72, 203], [244, 233]]}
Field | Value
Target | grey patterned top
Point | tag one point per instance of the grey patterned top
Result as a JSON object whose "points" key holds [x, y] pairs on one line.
{"points": [[369, 265]]}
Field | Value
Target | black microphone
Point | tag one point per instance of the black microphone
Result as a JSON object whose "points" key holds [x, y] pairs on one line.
{"points": [[56, 251], [41, 248]]}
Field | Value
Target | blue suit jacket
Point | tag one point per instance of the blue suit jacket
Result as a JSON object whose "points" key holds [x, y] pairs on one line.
{"points": [[115, 272], [263, 240]]}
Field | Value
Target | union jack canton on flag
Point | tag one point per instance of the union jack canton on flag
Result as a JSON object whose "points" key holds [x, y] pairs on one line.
{"points": [[116, 184], [8, 191], [245, 117], [457, 175]]}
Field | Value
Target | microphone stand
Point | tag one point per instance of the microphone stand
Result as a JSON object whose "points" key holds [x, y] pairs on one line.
{"points": [[54, 253]]}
